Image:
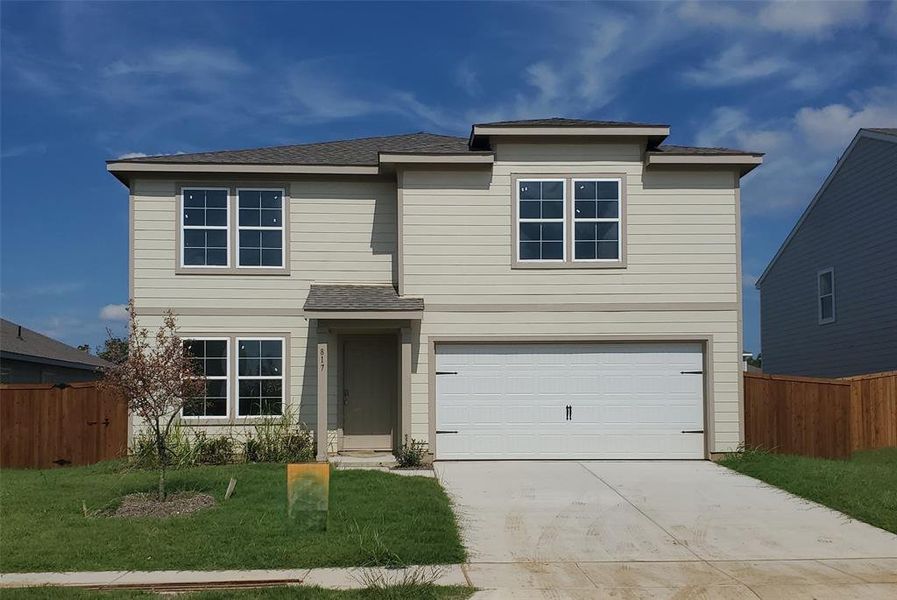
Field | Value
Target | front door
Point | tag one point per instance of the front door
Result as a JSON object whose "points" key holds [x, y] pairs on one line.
{"points": [[370, 392]]}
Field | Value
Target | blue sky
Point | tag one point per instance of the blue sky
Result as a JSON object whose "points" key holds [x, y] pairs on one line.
{"points": [[84, 82]]}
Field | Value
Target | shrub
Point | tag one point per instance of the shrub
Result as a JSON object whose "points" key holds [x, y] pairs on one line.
{"points": [[411, 454], [280, 440], [185, 448]]}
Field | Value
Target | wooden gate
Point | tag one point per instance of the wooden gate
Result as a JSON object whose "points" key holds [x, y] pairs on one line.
{"points": [[45, 425]]}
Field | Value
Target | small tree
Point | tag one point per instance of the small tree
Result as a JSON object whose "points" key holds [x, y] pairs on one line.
{"points": [[157, 378]]}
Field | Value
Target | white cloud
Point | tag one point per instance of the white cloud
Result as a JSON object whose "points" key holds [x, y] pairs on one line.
{"points": [[114, 312], [736, 66], [811, 18], [23, 150], [180, 61], [833, 125], [805, 19], [468, 79], [132, 155]]}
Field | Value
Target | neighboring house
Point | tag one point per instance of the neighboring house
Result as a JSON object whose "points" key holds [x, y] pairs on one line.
{"points": [[551, 288], [828, 299], [27, 356]]}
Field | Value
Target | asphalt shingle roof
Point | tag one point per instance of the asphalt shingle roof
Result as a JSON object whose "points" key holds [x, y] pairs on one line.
{"points": [[699, 150], [37, 345], [323, 297], [562, 122], [360, 152]]}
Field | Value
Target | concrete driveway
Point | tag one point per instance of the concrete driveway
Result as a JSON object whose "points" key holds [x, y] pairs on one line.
{"points": [[658, 529]]}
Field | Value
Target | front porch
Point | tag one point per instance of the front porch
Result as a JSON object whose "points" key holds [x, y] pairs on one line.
{"points": [[363, 366]]}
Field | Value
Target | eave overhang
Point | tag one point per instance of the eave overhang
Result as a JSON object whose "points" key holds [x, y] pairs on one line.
{"points": [[744, 162]]}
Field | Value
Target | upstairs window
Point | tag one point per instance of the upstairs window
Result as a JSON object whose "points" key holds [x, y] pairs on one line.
{"points": [[261, 242], [540, 206], [826, 295], [260, 377], [596, 219], [210, 357], [204, 227]]}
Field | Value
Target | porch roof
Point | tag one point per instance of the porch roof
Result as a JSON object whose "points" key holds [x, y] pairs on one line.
{"points": [[360, 301]]}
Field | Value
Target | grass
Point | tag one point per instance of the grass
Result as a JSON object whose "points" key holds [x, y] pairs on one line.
{"points": [[864, 487], [410, 592], [376, 518]]}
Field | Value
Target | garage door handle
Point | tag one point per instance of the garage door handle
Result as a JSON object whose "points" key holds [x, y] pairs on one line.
{"points": [[693, 431], [445, 431], [691, 372], [446, 372]]}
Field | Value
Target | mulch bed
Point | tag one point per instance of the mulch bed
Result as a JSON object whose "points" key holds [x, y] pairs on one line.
{"points": [[148, 505]]}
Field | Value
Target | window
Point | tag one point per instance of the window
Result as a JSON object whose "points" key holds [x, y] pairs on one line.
{"points": [[826, 293], [596, 219], [204, 227], [210, 355], [540, 220], [260, 377], [260, 227]]}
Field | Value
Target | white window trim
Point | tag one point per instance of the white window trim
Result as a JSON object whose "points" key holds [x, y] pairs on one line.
{"points": [[282, 228], [226, 377], [562, 221], [183, 227], [618, 220], [820, 295], [283, 369]]}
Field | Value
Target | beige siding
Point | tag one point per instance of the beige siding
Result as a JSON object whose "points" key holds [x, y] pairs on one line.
{"points": [[681, 248], [341, 232]]}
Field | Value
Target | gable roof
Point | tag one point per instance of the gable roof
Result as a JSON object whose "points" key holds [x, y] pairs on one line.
{"points": [[17, 342], [879, 133], [360, 151]]}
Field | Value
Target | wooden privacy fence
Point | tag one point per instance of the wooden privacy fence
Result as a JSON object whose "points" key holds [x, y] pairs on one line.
{"points": [[829, 418], [42, 425]]}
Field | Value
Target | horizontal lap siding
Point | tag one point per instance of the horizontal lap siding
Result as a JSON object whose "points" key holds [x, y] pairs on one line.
{"points": [[681, 247], [340, 232], [851, 228]]}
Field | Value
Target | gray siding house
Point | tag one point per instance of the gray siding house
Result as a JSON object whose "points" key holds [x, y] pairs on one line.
{"points": [[27, 356], [828, 299]]}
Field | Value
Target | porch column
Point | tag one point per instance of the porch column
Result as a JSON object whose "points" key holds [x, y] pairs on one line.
{"points": [[321, 428], [406, 385]]}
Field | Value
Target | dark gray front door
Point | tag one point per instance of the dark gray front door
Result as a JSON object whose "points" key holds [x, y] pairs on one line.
{"points": [[370, 392]]}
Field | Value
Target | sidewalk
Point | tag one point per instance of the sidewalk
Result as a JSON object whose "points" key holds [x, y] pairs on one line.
{"points": [[872, 579]]}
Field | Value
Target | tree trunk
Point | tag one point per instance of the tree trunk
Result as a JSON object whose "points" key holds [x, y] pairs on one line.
{"points": [[160, 450]]}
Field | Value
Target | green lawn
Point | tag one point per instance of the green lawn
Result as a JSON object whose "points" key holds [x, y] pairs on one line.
{"points": [[376, 518], [864, 487], [413, 592]]}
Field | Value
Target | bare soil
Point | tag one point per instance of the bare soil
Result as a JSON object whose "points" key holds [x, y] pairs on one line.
{"points": [[148, 505]]}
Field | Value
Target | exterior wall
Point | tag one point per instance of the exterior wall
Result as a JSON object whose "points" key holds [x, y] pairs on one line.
{"points": [[681, 278], [20, 371], [682, 254], [852, 229], [341, 231]]}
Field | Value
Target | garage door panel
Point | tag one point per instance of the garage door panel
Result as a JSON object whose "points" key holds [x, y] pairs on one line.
{"points": [[629, 400]]}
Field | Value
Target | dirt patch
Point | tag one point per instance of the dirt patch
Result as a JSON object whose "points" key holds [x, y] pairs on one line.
{"points": [[148, 505]]}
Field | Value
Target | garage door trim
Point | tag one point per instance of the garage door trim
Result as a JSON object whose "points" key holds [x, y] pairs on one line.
{"points": [[706, 342]]}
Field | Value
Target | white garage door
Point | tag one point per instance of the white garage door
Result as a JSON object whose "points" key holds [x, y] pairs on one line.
{"points": [[585, 401]]}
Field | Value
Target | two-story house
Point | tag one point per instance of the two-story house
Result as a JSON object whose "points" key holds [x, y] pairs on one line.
{"points": [[551, 288], [828, 298]]}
